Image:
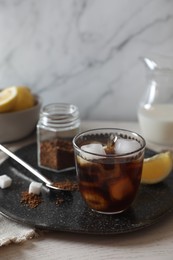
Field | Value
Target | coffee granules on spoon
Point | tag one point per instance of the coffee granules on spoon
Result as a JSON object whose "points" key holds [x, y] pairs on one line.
{"points": [[67, 185]]}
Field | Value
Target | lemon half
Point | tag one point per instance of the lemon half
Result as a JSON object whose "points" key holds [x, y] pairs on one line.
{"points": [[156, 168], [16, 98], [8, 99], [25, 99]]}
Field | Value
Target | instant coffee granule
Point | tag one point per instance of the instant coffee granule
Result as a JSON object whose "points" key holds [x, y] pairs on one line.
{"points": [[59, 201], [30, 199]]}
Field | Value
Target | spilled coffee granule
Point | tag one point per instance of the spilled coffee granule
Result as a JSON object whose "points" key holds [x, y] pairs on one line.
{"points": [[59, 201], [67, 185], [30, 199], [33, 200]]}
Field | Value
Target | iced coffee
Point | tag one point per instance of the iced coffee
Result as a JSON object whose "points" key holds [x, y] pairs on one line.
{"points": [[109, 167]]}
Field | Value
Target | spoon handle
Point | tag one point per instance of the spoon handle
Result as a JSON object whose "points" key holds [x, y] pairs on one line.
{"points": [[25, 165]]}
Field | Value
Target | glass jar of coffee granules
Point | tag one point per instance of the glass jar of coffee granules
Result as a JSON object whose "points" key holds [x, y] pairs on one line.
{"points": [[58, 124]]}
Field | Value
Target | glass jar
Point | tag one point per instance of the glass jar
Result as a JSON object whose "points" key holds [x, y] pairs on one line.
{"points": [[57, 125]]}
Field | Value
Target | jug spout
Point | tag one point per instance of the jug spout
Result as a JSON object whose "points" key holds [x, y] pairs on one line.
{"points": [[149, 63], [158, 62]]}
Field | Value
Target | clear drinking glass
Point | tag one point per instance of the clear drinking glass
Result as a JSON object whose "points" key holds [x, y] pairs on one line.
{"points": [[109, 166]]}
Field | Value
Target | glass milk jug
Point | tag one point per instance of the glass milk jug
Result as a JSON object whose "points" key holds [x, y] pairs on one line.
{"points": [[155, 111]]}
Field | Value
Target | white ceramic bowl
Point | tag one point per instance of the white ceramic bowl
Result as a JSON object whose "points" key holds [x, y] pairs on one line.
{"points": [[17, 125]]}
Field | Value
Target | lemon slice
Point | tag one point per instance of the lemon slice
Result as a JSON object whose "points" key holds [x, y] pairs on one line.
{"points": [[25, 99], [8, 98], [156, 168]]}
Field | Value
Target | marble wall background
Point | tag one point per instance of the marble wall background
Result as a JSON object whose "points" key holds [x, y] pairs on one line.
{"points": [[84, 52]]}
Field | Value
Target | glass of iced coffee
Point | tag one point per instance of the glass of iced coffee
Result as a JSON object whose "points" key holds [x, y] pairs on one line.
{"points": [[109, 166]]}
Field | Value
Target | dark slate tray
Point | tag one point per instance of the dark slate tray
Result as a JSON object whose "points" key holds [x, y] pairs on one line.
{"points": [[152, 203]]}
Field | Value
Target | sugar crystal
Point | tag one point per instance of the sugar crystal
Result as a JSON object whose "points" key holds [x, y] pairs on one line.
{"points": [[5, 181], [35, 187]]}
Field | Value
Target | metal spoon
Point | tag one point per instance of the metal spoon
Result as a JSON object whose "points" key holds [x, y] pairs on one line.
{"points": [[48, 183]]}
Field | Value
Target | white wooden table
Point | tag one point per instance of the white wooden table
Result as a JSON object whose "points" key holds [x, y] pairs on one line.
{"points": [[155, 242]]}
